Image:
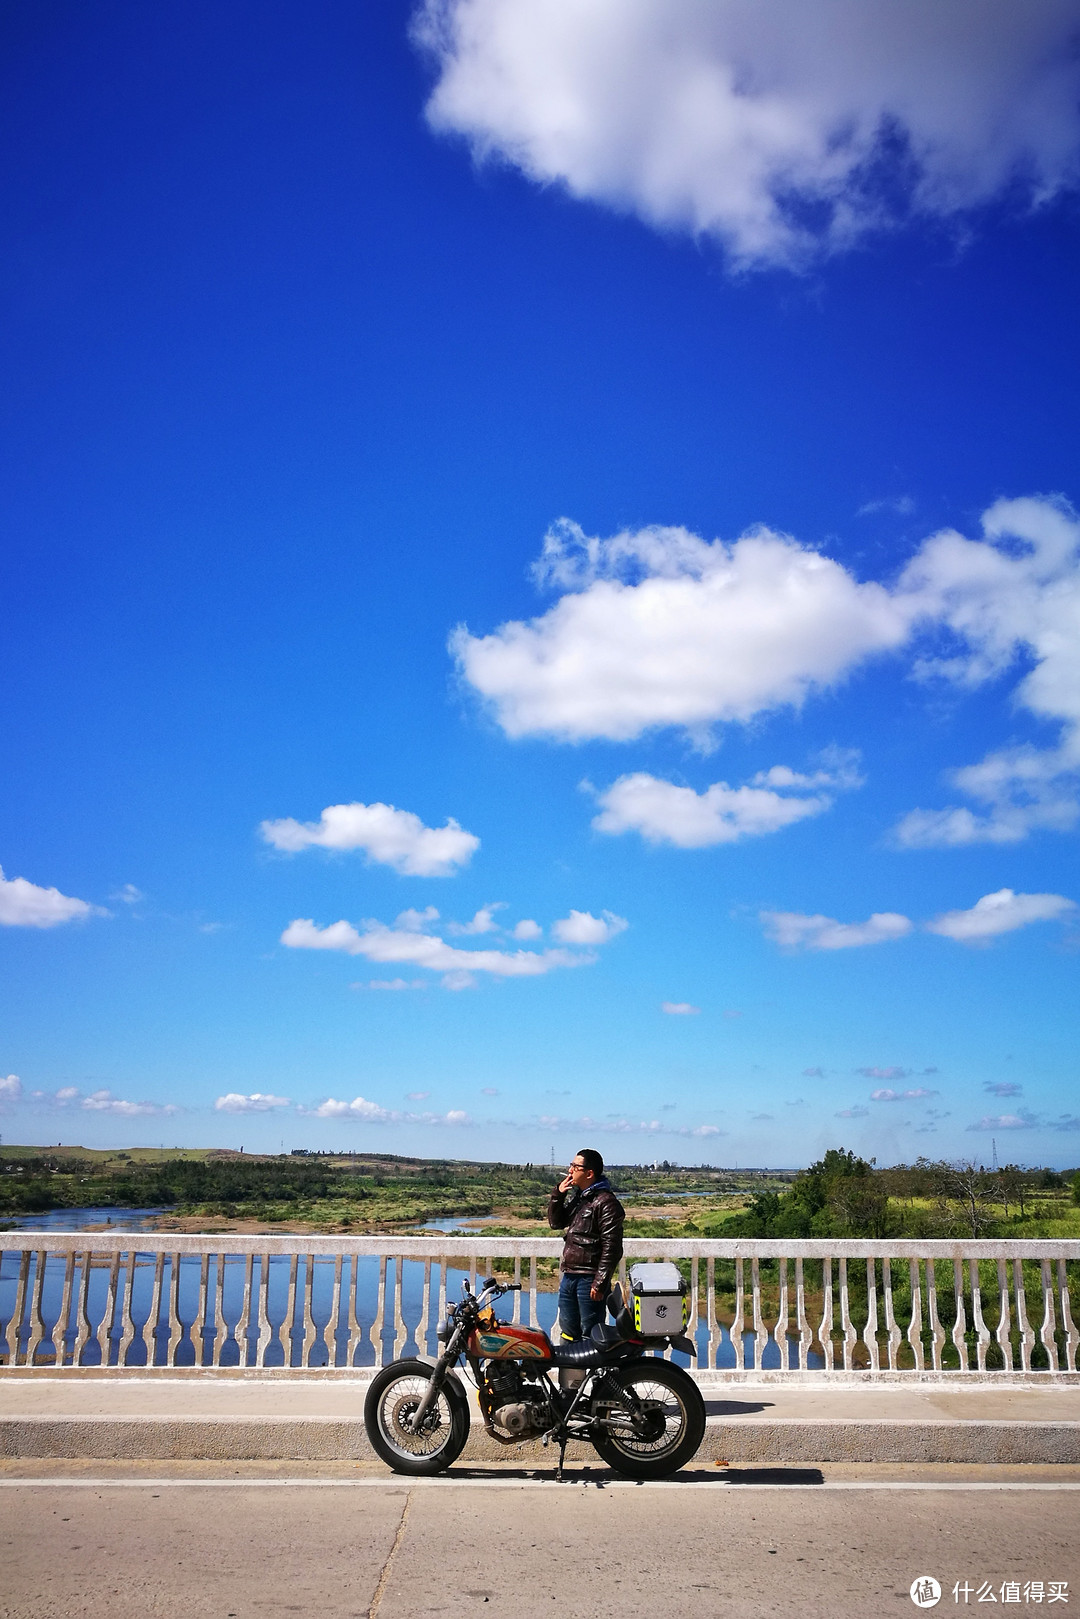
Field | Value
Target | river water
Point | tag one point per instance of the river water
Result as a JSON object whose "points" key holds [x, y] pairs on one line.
{"points": [[150, 1344]]}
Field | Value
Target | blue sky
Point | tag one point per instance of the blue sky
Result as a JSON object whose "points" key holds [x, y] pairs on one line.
{"points": [[603, 480]]}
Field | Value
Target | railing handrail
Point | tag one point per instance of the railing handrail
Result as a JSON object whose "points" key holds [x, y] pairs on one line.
{"points": [[438, 1246]]}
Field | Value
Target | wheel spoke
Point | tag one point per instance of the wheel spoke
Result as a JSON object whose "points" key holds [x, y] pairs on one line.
{"points": [[397, 1407]]}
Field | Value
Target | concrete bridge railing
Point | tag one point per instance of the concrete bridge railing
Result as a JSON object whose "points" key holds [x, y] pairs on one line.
{"points": [[773, 1310]]}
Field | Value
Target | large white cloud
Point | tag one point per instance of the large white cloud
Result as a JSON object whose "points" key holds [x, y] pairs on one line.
{"points": [[1014, 593], [795, 931], [103, 1101], [393, 837], [999, 913], [372, 1113], [24, 905], [408, 942], [780, 129], [664, 812], [257, 1102], [10, 1088], [660, 628]]}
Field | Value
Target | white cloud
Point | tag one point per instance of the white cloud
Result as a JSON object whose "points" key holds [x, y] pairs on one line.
{"points": [[483, 922], [417, 1096], [1001, 913], [407, 944], [919, 1094], [794, 931], [527, 929], [853, 1113], [103, 1101], [1013, 594], [660, 628], [372, 1113], [10, 1088], [665, 813], [128, 895], [622, 1127], [392, 837], [489, 1090], [1005, 1121], [394, 984], [1002, 1087], [679, 1008], [779, 130], [257, 1102], [25, 905], [582, 928], [883, 1073]]}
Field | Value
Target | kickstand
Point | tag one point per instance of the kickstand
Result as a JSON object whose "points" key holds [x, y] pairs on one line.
{"points": [[562, 1458]]}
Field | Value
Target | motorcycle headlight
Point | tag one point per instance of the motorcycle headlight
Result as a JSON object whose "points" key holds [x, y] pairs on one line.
{"points": [[444, 1330]]}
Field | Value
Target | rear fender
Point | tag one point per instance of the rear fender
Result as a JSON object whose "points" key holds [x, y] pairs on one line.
{"points": [[684, 1345]]}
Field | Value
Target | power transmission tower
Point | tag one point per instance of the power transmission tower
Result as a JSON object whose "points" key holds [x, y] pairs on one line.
{"points": [[993, 1144]]}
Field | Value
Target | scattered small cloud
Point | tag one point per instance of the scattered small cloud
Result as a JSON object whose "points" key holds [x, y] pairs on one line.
{"points": [[999, 913], [527, 929], [884, 1073], [853, 1113], [1067, 1122], [127, 895], [367, 1112], [731, 1013], [582, 928], [24, 905], [489, 1090], [792, 930], [103, 1101], [11, 1089], [393, 984], [1006, 1121], [412, 941], [679, 1008], [388, 836], [257, 1102], [668, 1107], [895, 506], [483, 922], [665, 812], [813, 1073], [1002, 1087], [763, 1118], [919, 1094], [799, 1101]]}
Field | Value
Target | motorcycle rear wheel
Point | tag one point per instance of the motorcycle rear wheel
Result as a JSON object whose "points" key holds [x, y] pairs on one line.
{"points": [[393, 1396], [663, 1437]]}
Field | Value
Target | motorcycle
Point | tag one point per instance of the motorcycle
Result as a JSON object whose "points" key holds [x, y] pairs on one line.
{"points": [[644, 1415]]}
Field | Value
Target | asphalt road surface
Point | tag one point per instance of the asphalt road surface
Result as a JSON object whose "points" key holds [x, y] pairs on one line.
{"points": [[240, 1541]]}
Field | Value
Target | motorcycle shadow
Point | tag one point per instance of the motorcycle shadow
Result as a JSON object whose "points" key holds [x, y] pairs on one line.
{"points": [[600, 1477], [736, 1408]]}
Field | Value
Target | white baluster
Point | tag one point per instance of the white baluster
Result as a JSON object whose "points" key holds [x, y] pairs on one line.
{"points": [[176, 1329], [356, 1333], [1072, 1336], [516, 1317], [108, 1314], [914, 1331], [936, 1329], [425, 1311], [806, 1331], [266, 1332], [82, 1334], [891, 1328], [217, 1343], [826, 1329], [401, 1330], [534, 1303], [198, 1326], [333, 1326], [761, 1335], [1027, 1337], [243, 1321], [127, 1318], [65, 1312], [781, 1329], [870, 1330], [380, 1313], [310, 1330], [155, 1310], [960, 1324], [290, 1311], [737, 1323], [1049, 1324], [713, 1320], [37, 1328], [847, 1326], [982, 1342], [1003, 1329]]}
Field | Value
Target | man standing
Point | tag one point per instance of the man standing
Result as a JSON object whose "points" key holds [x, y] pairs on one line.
{"points": [[584, 1205]]}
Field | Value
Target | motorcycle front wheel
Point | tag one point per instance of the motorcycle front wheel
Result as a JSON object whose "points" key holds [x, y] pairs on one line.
{"points": [[392, 1399], [657, 1418]]}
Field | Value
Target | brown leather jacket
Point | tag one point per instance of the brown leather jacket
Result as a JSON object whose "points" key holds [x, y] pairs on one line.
{"points": [[593, 1222]]}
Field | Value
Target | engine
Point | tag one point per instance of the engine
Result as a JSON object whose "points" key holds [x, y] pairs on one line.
{"points": [[518, 1406]]}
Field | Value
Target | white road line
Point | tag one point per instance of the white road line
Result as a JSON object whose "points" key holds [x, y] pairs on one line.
{"points": [[403, 1483]]}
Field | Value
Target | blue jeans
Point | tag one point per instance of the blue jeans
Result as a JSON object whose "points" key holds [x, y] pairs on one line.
{"points": [[578, 1313]]}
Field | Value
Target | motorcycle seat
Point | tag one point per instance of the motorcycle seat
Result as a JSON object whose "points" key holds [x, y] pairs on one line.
{"points": [[582, 1352]]}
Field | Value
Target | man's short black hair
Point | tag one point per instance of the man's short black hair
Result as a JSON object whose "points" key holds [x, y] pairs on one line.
{"points": [[592, 1160]]}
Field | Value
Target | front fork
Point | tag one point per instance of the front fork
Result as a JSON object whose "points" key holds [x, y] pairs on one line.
{"points": [[435, 1383]]}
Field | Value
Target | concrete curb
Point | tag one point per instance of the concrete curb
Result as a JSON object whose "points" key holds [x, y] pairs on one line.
{"points": [[312, 1438]]}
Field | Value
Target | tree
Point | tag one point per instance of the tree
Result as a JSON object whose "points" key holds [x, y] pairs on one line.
{"points": [[966, 1183]]}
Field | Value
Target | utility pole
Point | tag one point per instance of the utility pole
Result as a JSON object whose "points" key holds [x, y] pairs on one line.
{"points": [[993, 1144]]}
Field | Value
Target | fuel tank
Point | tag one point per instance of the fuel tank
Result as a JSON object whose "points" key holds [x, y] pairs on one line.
{"points": [[502, 1340]]}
